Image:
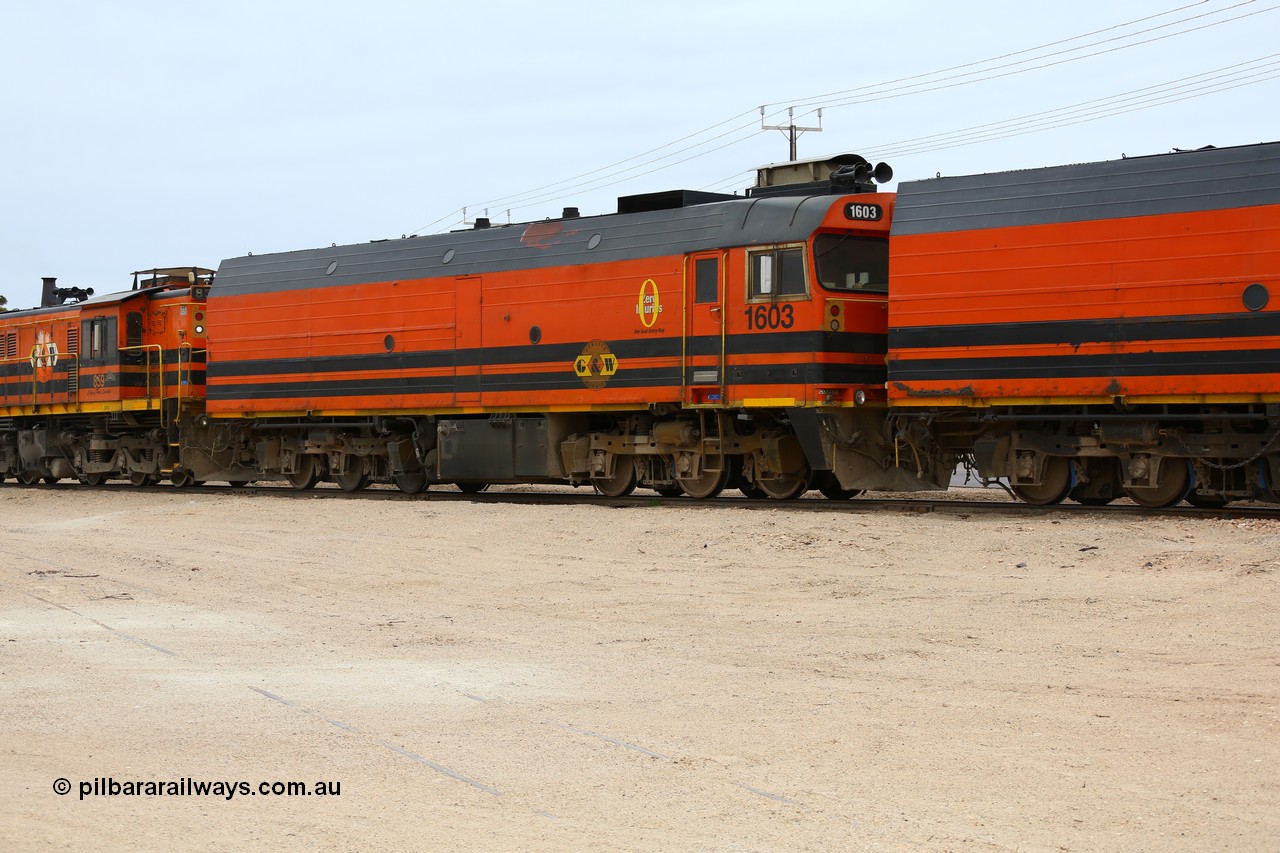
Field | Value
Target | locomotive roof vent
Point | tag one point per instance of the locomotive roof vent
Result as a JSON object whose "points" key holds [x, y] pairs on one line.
{"points": [[668, 200], [844, 173], [570, 213]]}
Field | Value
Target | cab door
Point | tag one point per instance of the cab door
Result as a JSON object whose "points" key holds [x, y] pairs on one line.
{"points": [[704, 329]]}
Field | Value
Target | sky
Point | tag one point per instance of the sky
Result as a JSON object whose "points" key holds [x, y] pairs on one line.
{"points": [[148, 134]]}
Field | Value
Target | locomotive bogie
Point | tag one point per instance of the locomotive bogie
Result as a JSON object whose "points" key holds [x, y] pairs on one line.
{"points": [[1096, 455]]}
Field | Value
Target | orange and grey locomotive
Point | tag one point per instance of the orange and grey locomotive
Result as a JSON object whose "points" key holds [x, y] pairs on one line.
{"points": [[688, 342], [99, 387], [1097, 330]]}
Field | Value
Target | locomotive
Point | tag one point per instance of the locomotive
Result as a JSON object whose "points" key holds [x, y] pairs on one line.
{"points": [[685, 343], [1097, 330], [100, 388], [1084, 331]]}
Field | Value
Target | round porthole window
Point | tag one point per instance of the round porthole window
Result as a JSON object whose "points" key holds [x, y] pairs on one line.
{"points": [[594, 241], [535, 334], [1255, 297], [448, 256], [389, 342], [333, 265]]}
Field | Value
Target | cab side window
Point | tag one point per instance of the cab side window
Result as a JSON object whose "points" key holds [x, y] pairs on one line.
{"points": [[96, 333], [706, 278], [133, 352], [778, 272], [852, 263]]}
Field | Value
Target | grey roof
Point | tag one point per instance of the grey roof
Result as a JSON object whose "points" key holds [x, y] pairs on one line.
{"points": [[1181, 182], [556, 242]]}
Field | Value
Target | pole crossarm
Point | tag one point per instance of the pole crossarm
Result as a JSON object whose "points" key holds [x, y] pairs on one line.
{"points": [[791, 129]]}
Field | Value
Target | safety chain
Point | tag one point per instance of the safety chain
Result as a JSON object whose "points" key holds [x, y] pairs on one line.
{"points": [[1215, 466]]}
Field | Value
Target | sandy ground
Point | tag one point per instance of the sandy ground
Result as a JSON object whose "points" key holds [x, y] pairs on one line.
{"points": [[489, 677]]}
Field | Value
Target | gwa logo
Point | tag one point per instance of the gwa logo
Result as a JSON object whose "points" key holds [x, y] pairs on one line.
{"points": [[44, 356]]}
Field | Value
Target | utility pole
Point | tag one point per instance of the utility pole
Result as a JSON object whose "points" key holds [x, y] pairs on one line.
{"points": [[792, 132]]}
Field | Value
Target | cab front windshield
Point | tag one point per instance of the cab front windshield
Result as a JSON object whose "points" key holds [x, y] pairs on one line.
{"points": [[852, 264]]}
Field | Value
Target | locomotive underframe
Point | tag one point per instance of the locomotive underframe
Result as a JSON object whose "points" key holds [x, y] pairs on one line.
{"points": [[1156, 454], [777, 453], [138, 446]]}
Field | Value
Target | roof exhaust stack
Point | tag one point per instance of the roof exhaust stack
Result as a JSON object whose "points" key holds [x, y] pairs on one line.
{"points": [[51, 296]]}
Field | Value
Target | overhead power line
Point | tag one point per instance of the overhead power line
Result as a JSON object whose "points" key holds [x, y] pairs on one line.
{"points": [[1197, 85], [716, 138], [927, 82], [1206, 83], [952, 83]]}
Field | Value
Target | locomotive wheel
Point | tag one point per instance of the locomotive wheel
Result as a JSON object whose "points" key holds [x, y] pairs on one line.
{"points": [[1175, 483], [829, 485], [623, 481], [783, 488], [411, 482], [140, 479], [307, 475], [94, 479], [352, 481], [707, 485], [29, 478], [182, 478], [1056, 485], [471, 488], [237, 484]]}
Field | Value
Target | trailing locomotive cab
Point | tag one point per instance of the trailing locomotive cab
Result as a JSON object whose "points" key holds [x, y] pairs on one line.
{"points": [[689, 342], [97, 389]]}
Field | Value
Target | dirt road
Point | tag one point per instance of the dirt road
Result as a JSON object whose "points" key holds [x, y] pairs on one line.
{"points": [[496, 677]]}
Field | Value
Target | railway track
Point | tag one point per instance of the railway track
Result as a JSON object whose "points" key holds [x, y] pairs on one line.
{"points": [[568, 496]]}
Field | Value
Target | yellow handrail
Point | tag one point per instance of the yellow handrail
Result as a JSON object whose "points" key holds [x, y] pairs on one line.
{"points": [[147, 348], [35, 379], [184, 387]]}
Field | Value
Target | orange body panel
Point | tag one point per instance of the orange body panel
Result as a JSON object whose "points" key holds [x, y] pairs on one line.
{"points": [[1148, 306], [625, 333]]}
